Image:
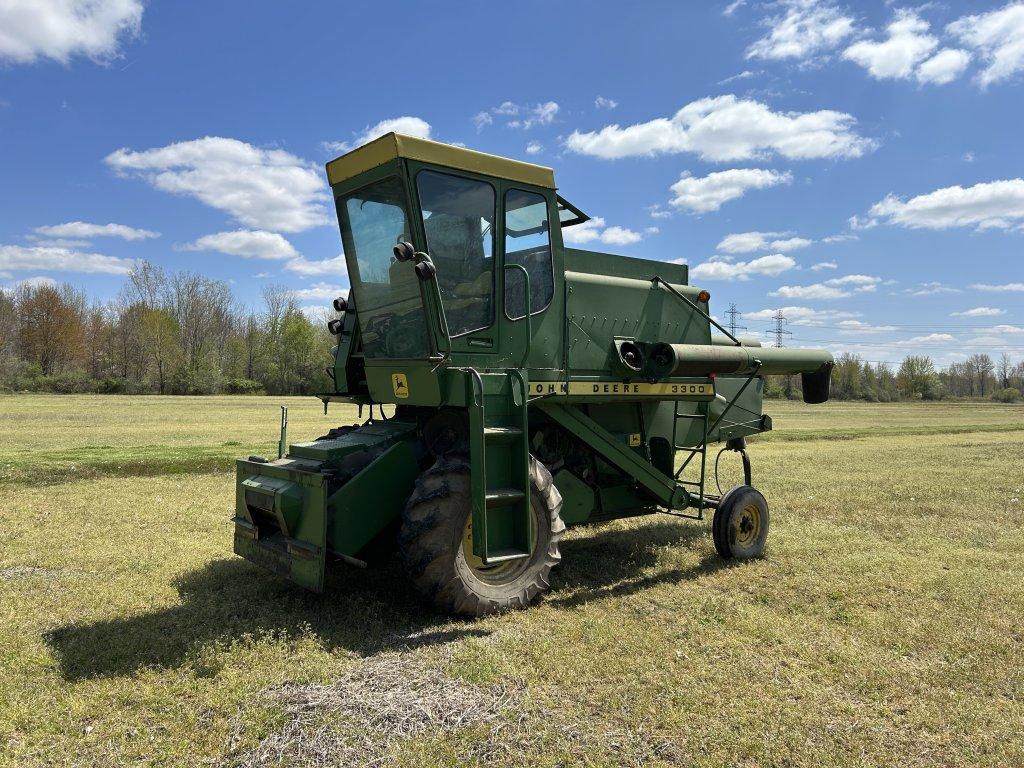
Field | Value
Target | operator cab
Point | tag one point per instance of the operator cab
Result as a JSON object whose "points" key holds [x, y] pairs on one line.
{"points": [[485, 222]]}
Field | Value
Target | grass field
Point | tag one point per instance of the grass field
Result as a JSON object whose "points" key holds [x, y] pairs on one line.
{"points": [[885, 626]]}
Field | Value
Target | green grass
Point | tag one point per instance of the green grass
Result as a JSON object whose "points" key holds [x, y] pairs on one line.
{"points": [[883, 628]]}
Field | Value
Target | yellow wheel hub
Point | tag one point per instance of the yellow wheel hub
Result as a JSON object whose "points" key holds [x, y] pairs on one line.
{"points": [[494, 573], [748, 525]]}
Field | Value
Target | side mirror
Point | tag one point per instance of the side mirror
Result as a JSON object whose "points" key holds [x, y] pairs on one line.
{"points": [[404, 251], [425, 270]]}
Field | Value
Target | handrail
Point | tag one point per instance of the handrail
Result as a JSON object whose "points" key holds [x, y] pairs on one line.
{"points": [[657, 279], [526, 296], [435, 299]]}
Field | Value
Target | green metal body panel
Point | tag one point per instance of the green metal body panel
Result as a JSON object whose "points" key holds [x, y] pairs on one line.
{"points": [[371, 500], [327, 497], [625, 437]]}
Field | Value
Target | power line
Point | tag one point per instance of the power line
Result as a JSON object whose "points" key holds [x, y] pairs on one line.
{"points": [[780, 327], [734, 314]]}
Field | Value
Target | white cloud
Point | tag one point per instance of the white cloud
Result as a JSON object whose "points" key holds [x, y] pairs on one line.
{"points": [[775, 264], [254, 244], [266, 189], [481, 120], [33, 282], [998, 36], [748, 242], [729, 128], [813, 291], [81, 229], [824, 265], [320, 291], [15, 258], [838, 238], [930, 289], [534, 148], [602, 103], [410, 126], [836, 288], [1007, 329], [732, 7], [931, 338], [61, 29], [58, 242], [303, 266], [540, 114], [906, 45], [746, 73], [944, 67], [857, 326], [1004, 288], [802, 315], [594, 229], [989, 205], [620, 236], [523, 116], [979, 312], [702, 194], [808, 27]]}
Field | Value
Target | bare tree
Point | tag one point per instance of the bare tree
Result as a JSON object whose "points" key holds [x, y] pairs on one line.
{"points": [[50, 331]]}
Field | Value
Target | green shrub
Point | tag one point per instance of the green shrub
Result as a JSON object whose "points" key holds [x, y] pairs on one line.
{"points": [[1007, 395], [243, 387]]}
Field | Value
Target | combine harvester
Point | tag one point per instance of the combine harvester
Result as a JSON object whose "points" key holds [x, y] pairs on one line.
{"points": [[535, 386]]}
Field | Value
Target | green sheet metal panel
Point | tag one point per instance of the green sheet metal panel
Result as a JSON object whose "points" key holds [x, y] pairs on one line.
{"points": [[370, 501]]}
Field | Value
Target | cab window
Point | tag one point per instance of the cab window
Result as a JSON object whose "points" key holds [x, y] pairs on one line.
{"points": [[458, 219], [527, 242]]}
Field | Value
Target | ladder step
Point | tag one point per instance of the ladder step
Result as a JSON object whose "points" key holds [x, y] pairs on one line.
{"points": [[500, 497], [502, 555], [502, 434]]}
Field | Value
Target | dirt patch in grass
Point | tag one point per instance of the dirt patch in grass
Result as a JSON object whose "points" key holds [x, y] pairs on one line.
{"points": [[362, 718], [25, 571]]}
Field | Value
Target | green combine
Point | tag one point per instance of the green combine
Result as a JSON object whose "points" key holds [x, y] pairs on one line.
{"points": [[533, 386]]}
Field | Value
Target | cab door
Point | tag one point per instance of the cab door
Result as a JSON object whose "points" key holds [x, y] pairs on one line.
{"points": [[457, 226]]}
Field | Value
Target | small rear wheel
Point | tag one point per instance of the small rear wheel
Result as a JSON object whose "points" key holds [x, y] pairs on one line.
{"points": [[436, 543], [740, 525]]}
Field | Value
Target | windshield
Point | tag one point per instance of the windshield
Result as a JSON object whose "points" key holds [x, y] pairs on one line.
{"points": [[391, 316], [458, 219]]}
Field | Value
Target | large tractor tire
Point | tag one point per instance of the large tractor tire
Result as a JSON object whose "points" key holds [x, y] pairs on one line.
{"points": [[435, 543]]}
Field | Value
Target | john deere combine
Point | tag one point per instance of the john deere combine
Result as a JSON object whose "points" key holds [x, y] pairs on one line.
{"points": [[535, 386]]}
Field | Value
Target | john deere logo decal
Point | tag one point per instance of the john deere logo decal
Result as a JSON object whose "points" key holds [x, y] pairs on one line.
{"points": [[621, 389], [400, 384]]}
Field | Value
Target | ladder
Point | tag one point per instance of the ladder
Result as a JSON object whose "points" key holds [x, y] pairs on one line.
{"points": [[502, 525], [701, 449]]}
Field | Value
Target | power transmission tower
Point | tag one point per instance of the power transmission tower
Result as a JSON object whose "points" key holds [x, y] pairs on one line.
{"points": [[780, 327], [734, 314]]}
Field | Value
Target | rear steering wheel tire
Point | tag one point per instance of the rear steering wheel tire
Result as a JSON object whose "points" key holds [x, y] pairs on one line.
{"points": [[436, 551], [740, 525]]}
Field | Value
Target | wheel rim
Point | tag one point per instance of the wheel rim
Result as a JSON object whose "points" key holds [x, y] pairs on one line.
{"points": [[499, 573], [748, 525]]}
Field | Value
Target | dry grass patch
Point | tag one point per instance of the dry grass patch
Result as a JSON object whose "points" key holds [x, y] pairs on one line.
{"points": [[364, 717]]}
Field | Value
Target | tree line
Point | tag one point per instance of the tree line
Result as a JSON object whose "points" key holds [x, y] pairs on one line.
{"points": [[916, 378], [178, 333], [183, 333]]}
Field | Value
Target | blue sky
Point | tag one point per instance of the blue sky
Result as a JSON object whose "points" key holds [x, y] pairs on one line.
{"points": [[859, 165]]}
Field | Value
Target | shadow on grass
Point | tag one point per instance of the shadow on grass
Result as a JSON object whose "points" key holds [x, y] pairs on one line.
{"points": [[608, 563], [362, 611]]}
